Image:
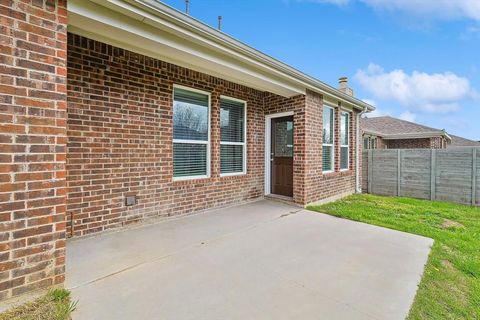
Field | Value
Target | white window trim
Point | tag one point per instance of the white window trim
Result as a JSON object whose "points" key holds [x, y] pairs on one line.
{"points": [[332, 160], [176, 86], [244, 143], [348, 141]]}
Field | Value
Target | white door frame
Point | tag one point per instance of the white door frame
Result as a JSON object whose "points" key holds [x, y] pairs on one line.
{"points": [[268, 146]]}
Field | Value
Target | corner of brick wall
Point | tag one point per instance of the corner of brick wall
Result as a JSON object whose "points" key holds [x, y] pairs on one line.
{"points": [[319, 185], [32, 144]]}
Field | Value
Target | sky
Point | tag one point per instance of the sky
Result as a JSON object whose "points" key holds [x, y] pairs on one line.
{"points": [[418, 60]]}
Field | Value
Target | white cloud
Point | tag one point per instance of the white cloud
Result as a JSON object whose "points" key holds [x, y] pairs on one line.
{"points": [[378, 112], [434, 93], [336, 2], [408, 116], [426, 9], [471, 33], [442, 9]]}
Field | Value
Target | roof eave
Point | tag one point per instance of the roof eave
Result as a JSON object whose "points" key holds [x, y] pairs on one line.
{"points": [[279, 69], [415, 135]]}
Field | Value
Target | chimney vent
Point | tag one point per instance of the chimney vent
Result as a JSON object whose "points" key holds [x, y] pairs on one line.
{"points": [[343, 86], [220, 23], [187, 2]]}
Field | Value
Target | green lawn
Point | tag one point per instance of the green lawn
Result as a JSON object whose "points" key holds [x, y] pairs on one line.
{"points": [[450, 287], [55, 305]]}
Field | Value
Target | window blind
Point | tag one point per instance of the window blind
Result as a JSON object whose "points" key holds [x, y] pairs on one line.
{"points": [[190, 134], [327, 158], [232, 136], [328, 140], [189, 160], [344, 143], [190, 115]]}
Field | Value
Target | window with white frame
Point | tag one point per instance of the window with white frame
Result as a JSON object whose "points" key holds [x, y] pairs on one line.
{"points": [[232, 136], [366, 143], [328, 139], [344, 143], [191, 134]]}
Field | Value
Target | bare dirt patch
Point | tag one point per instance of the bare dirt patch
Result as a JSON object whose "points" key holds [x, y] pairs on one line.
{"points": [[450, 224]]}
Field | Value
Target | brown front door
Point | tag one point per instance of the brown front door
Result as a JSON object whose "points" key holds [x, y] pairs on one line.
{"points": [[282, 156]]}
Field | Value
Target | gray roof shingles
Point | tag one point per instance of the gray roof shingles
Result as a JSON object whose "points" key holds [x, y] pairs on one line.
{"points": [[390, 125]]}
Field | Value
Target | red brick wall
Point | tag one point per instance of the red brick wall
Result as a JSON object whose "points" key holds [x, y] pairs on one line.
{"points": [[321, 185], [32, 144], [310, 184], [120, 139], [276, 104], [382, 144], [409, 144], [438, 143]]}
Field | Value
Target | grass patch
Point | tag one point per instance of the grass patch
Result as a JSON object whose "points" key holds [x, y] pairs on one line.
{"points": [[55, 305], [450, 287]]}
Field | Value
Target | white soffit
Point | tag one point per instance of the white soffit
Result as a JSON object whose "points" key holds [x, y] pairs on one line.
{"points": [[140, 34], [154, 29]]}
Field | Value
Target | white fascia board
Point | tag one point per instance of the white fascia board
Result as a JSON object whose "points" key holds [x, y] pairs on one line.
{"points": [[265, 60], [100, 23], [266, 69], [415, 135]]}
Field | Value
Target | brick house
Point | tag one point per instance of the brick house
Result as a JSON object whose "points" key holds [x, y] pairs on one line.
{"points": [[115, 112], [392, 133]]}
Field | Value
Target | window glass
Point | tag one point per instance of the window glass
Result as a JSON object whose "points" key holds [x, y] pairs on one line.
{"points": [[190, 115], [365, 143], [232, 136], [283, 135], [344, 146], [232, 121], [327, 125], [189, 160], [190, 133], [328, 139]]}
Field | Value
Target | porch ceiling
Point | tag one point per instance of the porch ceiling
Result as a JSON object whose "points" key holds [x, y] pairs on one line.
{"points": [[125, 25]]}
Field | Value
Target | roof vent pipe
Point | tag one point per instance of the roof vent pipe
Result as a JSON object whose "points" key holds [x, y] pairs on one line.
{"points": [[187, 2], [343, 86], [220, 23]]}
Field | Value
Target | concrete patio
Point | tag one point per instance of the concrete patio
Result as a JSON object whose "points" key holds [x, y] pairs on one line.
{"points": [[261, 260]]}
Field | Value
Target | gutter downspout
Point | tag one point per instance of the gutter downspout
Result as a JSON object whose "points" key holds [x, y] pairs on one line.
{"points": [[358, 187]]}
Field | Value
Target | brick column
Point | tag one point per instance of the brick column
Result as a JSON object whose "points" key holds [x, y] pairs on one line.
{"points": [[313, 144], [32, 144]]}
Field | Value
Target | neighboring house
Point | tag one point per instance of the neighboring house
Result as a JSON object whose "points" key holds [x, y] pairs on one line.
{"points": [[458, 142], [140, 111], [392, 133]]}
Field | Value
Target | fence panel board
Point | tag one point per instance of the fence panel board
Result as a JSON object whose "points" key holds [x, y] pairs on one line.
{"points": [[384, 170], [415, 174], [454, 176], [449, 175]]}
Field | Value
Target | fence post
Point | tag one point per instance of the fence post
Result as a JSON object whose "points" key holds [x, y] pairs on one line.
{"points": [[433, 172], [370, 171], [399, 155], [474, 176]]}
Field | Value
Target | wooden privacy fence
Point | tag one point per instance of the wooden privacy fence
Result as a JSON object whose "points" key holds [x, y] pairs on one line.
{"points": [[448, 175]]}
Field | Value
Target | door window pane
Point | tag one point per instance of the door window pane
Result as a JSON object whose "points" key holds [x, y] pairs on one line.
{"points": [[283, 136]]}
